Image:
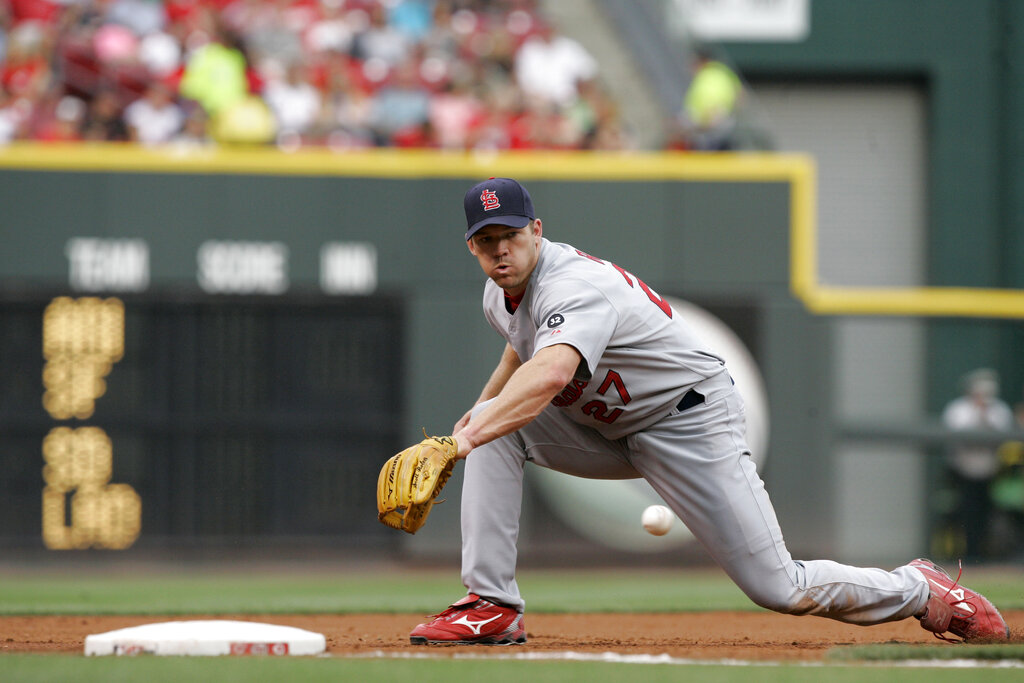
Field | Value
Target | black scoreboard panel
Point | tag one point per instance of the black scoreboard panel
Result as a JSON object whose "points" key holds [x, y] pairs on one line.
{"points": [[148, 420]]}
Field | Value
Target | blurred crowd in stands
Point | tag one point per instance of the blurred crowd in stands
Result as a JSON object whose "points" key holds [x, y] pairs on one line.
{"points": [[452, 74]]}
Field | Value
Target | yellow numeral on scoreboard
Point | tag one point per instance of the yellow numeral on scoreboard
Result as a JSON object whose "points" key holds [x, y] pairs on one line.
{"points": [[82, 339]]}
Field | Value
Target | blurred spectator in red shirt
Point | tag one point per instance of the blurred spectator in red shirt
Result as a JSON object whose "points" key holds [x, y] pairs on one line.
{"points": [[44, 11], [26, 70], [59, 121], [453, 113]]}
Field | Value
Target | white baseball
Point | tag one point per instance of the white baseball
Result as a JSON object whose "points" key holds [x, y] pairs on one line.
{"points": [[657, 520]]}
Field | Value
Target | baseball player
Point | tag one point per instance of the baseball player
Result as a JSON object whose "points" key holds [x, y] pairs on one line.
{"points": [[600, 378]]}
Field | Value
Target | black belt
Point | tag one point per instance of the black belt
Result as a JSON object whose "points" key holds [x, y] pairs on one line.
{"points": [[690, 399], [693, 398]]}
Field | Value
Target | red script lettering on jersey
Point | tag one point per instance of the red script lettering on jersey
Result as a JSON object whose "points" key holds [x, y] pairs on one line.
{"points": [[657, 300], [570, 394]]}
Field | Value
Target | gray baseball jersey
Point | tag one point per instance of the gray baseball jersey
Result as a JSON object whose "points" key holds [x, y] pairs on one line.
{"points": [[639, 360], [639, 357]]}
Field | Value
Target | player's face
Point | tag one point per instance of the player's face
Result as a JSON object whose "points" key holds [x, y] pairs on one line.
{"points": [[508, 255]]}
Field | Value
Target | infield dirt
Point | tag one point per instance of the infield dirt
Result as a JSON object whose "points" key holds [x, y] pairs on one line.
{"points": [[696, 635]]}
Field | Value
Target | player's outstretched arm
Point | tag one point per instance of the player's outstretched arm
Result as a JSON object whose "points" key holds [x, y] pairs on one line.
{"points": [[522, 397]]}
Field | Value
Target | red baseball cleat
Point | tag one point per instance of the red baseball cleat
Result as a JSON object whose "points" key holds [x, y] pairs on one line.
{"points": [[472, 621], [958, 610]]}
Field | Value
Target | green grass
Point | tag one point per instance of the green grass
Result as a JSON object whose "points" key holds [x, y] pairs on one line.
{"points": [[938, 652], [351, 592], [28, 668], [249, 591]]}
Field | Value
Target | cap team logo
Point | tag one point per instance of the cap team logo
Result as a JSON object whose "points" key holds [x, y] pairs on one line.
{"points": [[490, 199]]}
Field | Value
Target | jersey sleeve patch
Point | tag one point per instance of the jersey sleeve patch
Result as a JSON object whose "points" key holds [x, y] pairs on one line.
{"points": [[576, 313]]}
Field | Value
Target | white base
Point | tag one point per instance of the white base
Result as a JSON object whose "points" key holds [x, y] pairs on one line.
{"points": [[206, 638]]}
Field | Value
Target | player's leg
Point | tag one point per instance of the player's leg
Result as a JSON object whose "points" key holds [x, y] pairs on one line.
{"points": [[492, 493], [698, 461]]}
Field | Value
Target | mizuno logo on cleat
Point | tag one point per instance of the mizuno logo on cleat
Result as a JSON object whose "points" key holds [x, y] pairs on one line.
{"points": [[474, 626], [965, 606]]}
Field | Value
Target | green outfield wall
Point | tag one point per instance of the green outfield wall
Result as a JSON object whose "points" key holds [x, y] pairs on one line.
{"points": [[249, 279]]}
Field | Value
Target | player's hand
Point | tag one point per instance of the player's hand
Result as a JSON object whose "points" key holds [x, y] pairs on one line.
{"points": [[462, 422], [465, 447]]}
